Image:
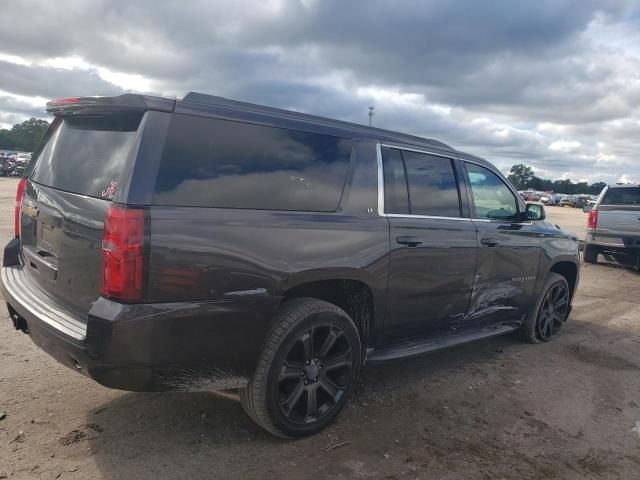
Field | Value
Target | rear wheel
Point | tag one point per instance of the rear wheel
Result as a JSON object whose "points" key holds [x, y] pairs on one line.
{"points": [[550, 312], [306, 371], [590, 253]]}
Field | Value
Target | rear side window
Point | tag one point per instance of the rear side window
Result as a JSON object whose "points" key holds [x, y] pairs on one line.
{"points": [[88, 155], [419, 184], [622, 196], [219, 163]]}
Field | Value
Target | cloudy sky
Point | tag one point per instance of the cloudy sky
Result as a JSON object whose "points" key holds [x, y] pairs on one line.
{"points": [[551, 83]]}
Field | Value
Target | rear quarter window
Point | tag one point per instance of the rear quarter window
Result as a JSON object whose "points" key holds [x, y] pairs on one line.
{"points": [[88, 155], [218, 163], [621, 196]]}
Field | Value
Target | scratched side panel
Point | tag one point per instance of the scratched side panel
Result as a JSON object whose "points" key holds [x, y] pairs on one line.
{"points": [[506, 275]]}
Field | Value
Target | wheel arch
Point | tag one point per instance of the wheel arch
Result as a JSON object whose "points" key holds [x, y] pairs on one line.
{"points": [[354, 293], [569, 270]]}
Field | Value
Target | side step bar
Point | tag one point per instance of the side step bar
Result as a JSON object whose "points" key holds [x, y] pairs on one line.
{"points": [[419, 346]]}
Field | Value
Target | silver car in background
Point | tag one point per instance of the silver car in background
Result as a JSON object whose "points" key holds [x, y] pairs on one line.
{"points": [[614, 223]]}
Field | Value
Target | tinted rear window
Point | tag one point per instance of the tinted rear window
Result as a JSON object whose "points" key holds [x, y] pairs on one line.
{"points": [[88, 155], [622, 196], [433, 189], [419, 183], [218, 163]]}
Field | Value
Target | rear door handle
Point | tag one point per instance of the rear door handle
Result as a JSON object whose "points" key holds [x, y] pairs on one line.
{"points": [[409, 241], [490, 242]]}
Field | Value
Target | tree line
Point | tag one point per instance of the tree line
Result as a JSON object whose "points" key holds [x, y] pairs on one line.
{"points": [[522, 177], [23, 136]]}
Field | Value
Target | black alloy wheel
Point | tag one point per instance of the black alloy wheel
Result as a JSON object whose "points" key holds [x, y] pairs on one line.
{"points": [[307, 370], [315, 374], [553, 311]]}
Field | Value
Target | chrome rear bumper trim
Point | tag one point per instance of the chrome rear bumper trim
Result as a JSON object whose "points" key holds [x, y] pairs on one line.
{"points": [[32, 298]]}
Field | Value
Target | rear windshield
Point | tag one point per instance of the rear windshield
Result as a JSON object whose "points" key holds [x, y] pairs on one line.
{"points": [[88, 155], [622, 196], [218, 163]]}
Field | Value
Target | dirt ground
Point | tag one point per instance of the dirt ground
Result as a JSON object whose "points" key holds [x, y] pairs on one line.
{"points": [[498, 409], [570, 219]]}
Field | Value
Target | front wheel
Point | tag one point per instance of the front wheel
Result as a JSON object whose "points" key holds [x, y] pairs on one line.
{"points": [[306, 371], [549, 313]]}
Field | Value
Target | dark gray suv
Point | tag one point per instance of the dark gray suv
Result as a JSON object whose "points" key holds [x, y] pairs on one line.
{"points": [[206, 244]]}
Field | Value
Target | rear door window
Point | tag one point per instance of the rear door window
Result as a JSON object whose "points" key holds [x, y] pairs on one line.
{"points": [[88, 155], [218, 163], [433, 189], [419, 184], [622, 196]]}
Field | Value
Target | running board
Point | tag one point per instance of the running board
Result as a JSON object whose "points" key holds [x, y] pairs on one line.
{"points": [[419, 346]]}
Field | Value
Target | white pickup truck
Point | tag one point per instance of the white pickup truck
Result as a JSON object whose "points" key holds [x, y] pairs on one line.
{"points": [[614, 223]]}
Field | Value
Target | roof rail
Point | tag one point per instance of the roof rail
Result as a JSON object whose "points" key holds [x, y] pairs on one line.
{"points": [[214, 100]]}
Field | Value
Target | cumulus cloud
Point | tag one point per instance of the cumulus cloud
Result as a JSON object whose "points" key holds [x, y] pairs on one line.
{"points": [[550, 83]]}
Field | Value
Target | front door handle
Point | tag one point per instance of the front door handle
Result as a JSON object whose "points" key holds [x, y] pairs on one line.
{"points": [[489, 242], [409, 241]]}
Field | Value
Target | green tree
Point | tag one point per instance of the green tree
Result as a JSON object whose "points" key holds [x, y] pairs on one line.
{"points": [[596, 188], [521, 176], [536, 183], [24, 136], [563, 186]]}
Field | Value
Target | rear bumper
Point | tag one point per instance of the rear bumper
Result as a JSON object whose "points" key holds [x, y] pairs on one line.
{"points": [[189, 346], [617, 242]]}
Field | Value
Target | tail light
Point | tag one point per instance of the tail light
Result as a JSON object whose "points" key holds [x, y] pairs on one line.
{"points": [[64, 101], [19, 195], [122, 254], [592, 221]]}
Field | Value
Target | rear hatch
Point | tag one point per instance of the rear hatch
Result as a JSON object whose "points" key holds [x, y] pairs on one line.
{"points": [[619, 212], [80, 169]]}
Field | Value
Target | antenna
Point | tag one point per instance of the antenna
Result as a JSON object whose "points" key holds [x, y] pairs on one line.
{"points": [[371, 113]]}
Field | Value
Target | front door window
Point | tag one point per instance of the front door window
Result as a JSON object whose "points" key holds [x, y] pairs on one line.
{"points": [[492, 199]]}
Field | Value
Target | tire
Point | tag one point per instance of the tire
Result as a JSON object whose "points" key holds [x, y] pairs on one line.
{"points": [[536, 327], [297, 388], [590, 253]]}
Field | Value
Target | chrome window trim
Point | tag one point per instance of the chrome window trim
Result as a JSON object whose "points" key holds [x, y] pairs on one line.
{"points": [[381, 211], [426, 152], [431, 217], [380, 181]]}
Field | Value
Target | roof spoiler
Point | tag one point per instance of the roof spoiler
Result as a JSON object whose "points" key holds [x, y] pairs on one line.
{"points": [[121, 103]]}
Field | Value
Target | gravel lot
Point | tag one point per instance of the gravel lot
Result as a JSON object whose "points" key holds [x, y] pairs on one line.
{"points": [[570, 219], [569, 409]]}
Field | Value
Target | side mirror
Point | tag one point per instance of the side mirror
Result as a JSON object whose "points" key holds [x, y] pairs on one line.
{"points": [[534, 211]]}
